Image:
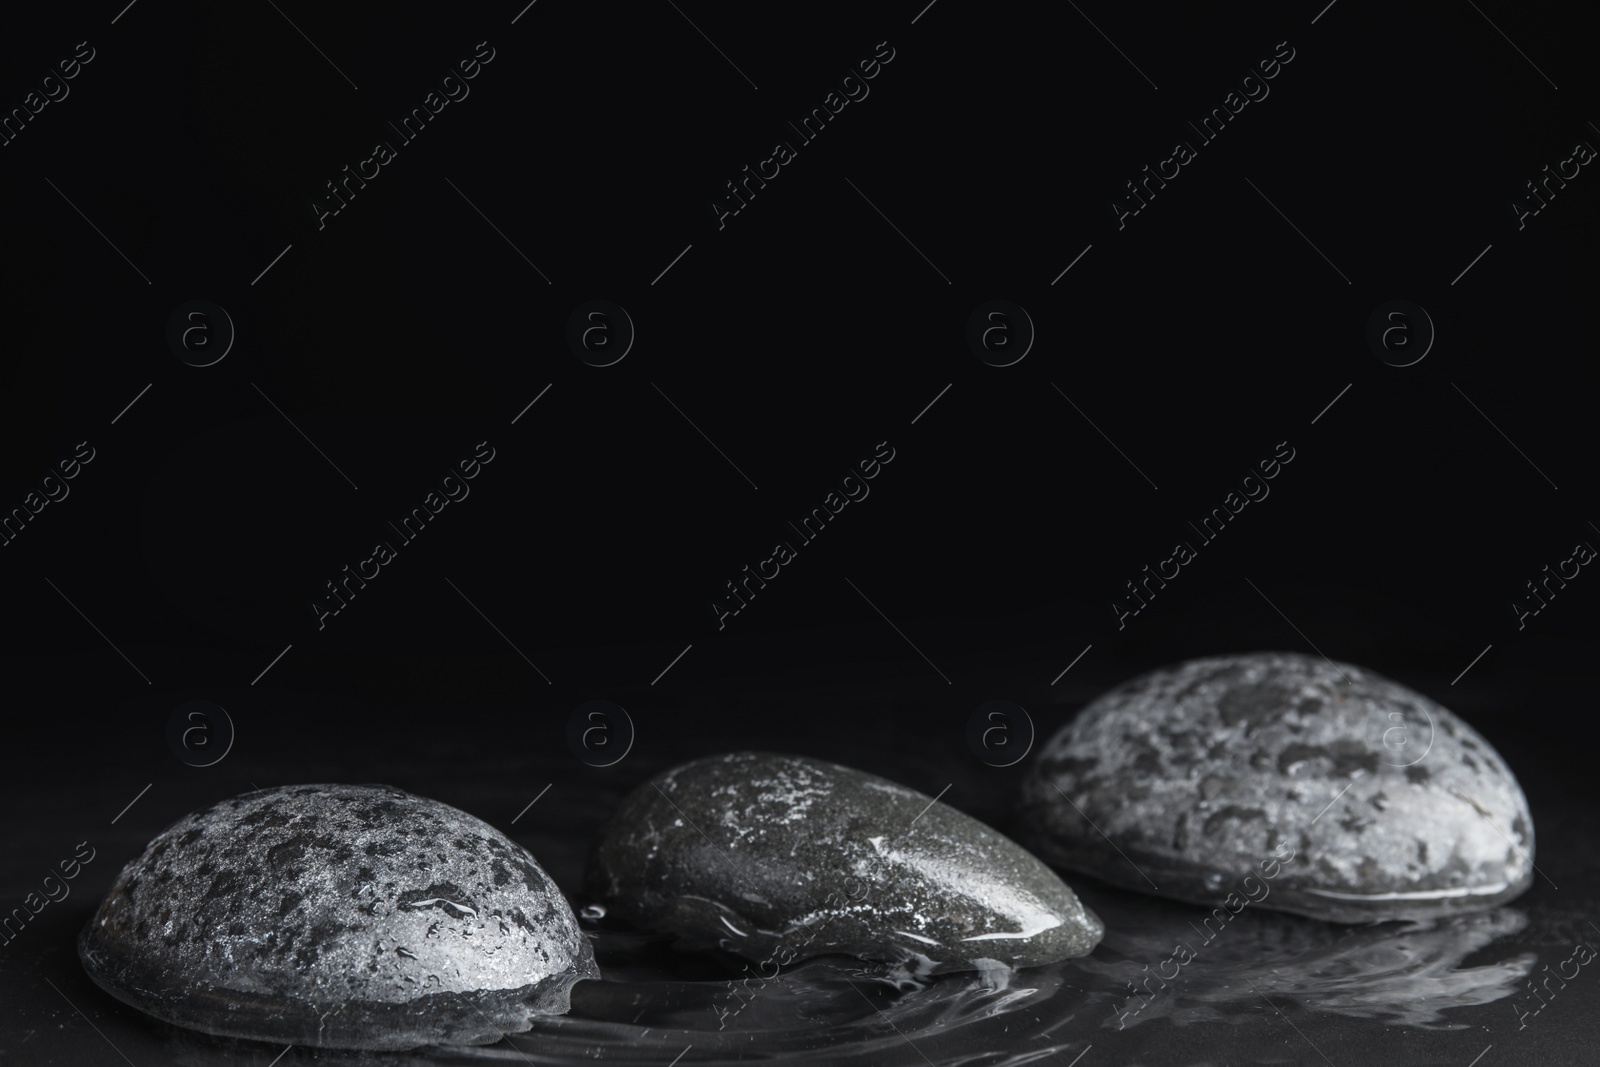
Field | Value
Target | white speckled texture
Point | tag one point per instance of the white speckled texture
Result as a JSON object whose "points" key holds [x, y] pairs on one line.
{"points": [[1197, 772], [778, 858], [341, 916]]}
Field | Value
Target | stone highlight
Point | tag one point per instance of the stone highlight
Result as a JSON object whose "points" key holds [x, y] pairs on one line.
{"points": [[1393, 807], [778, 858], [343, 916]]}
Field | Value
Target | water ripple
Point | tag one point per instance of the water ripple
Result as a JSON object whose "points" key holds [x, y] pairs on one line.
{"points": [[657, 1005]]}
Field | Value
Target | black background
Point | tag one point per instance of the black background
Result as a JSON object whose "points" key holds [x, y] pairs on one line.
{"points": [[820, 321]]}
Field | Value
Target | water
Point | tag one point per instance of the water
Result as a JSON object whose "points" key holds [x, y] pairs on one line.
{"points": [[658, 1005], [1269, 988]]}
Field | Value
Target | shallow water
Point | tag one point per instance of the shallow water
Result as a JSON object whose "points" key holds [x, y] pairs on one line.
{"points": [[657, 1004], [1268, 988]]}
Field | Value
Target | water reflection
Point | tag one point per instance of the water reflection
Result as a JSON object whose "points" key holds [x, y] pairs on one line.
{"points": [[1405, 973], [656, 1003]]}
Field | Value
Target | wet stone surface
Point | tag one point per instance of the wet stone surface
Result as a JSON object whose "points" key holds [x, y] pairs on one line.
{"points": [[1386, 804], [337, 916], [779, 858]]}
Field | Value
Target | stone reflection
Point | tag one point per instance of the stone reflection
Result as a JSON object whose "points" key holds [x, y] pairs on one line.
{"points": [[1410, 973]]}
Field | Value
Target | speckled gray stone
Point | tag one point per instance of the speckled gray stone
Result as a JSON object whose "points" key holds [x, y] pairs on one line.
{"points": [[778, 858], [338, 916], [1391, 806]]}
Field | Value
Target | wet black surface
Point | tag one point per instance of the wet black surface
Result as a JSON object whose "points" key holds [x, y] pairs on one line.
{"points": [[1266, 988]]}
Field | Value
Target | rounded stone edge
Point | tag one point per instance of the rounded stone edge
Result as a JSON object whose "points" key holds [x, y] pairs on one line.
{"points": [[1130, 868], [682, 915], [433, 1019], [508, 1011]]}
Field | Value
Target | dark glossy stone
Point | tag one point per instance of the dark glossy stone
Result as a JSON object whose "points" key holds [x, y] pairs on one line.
{"points": [[778, 858], [338, 916], [1201, 774]]}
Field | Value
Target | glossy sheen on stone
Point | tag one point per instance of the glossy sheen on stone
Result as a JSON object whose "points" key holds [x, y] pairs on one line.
{"points": [[1198, 772], [778, 858], [341, 916]]}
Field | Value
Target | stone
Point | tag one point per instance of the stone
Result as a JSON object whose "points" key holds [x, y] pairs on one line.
{"points": [[343, 916], [777, 858], [1358, 799]]}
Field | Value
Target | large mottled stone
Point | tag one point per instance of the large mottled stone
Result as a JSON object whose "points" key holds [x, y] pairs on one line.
{"points": [[339, 916], [778, 858], [1186, 779]]}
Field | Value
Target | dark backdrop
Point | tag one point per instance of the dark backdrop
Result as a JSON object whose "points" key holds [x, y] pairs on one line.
{"points": [[773, 350]]}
